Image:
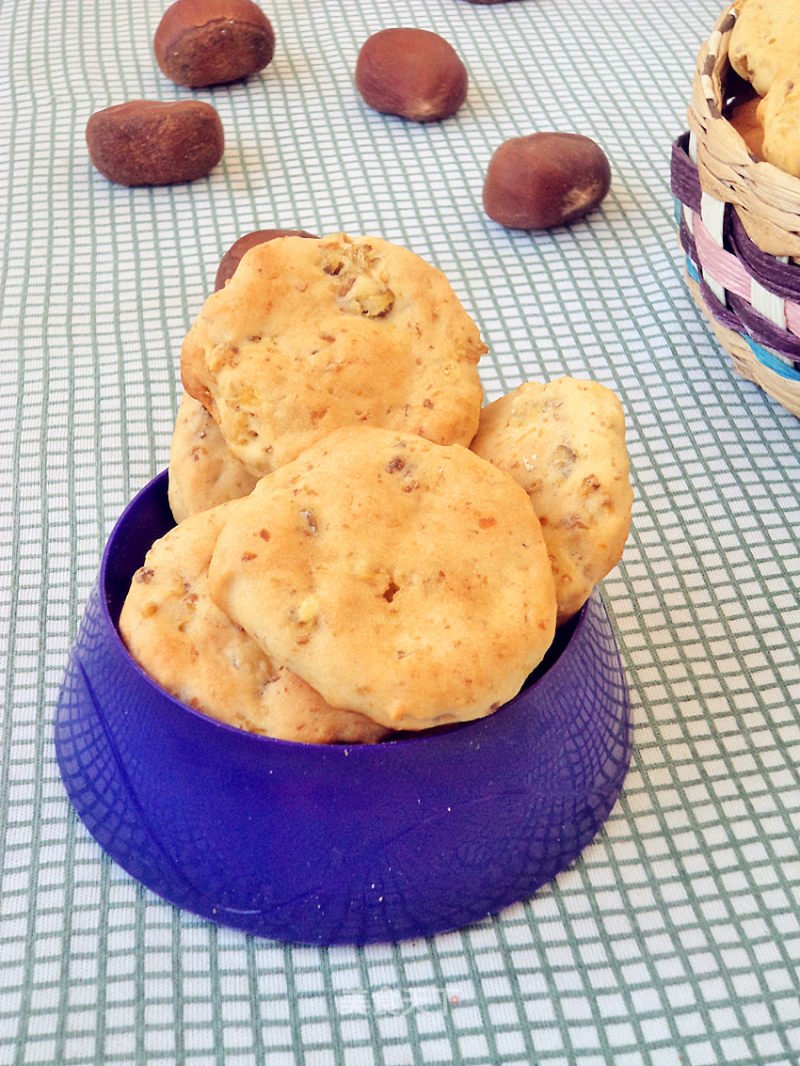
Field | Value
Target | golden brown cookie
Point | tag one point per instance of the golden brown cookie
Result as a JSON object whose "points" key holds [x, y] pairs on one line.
{"points": [[233, 256], [779, 113], [564, 442], [179, 636], [402, 578], [764, 39], [312, 334], [202, 472]]}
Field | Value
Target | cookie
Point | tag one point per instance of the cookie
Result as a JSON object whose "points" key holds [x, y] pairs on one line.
{"points": [[404, 579], [564, 443], [313, 334], [179, 636], [202, 472], [765, 38], [779, 113], [233, 256]]}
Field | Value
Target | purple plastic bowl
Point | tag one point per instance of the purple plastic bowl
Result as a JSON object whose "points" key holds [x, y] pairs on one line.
{"points": [[332, 844]]}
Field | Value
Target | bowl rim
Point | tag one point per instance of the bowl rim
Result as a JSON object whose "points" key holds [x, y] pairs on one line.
{"points": [[543, 677]]}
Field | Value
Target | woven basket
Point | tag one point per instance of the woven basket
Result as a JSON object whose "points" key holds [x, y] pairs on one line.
{"points": [[739, 225]]}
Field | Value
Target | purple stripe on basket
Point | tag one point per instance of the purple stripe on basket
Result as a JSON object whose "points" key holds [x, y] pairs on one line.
{"points": [[762, 330], [720, 312], [742, 319], [775, 276], [684, 180], [718, 263], [776, 365], [726, 318], [687, 241], [781, 278], [738, 315]]}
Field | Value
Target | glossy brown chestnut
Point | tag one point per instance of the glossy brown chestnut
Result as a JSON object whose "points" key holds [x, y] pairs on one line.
{"points": [[545, 179], [412, 73]]}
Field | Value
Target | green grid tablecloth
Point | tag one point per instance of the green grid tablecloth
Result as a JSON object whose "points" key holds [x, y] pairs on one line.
{"points": [[675, 937]]}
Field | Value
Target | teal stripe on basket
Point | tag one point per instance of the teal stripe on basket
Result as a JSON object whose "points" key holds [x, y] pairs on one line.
{"points": [[777, 366], [764, 356]]}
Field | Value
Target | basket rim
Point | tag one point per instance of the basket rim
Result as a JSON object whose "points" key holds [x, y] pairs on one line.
{"points": [[766, 198]]}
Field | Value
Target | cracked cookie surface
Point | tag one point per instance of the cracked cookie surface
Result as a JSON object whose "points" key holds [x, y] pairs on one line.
{"points": [[564, 443], [402, 578], [178, 635], [202, 471], [313, 334]]}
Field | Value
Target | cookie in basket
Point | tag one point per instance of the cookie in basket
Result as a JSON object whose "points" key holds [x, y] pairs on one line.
{"points": [[564, 443], [202, 471], [779, 113], [179, 636], [312, 334], [764, 40], [739, 222], [404, 579]]}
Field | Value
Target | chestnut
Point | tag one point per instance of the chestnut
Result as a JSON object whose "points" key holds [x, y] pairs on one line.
{"points": [[545, 179], [153, 142], [413, 73], [212, 42]]}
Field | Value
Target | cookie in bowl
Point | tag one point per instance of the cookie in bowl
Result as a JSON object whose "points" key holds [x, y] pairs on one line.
{"points": [[403, 579], [564, 442], [337, 708], [174, 631], [312, 334], [335, 843], [202, 471]]}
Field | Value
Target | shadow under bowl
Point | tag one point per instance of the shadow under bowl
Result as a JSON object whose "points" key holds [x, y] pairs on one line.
{"points": [[328, 844]]}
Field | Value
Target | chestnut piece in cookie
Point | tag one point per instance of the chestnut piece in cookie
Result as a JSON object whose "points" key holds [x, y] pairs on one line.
{"points": [[413, 73]]}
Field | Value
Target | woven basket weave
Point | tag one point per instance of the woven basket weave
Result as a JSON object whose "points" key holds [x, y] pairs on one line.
{"points": [[739, 225]]}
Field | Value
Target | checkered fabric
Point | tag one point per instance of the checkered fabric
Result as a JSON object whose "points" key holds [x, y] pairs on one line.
{"points": [[675, 937]]}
